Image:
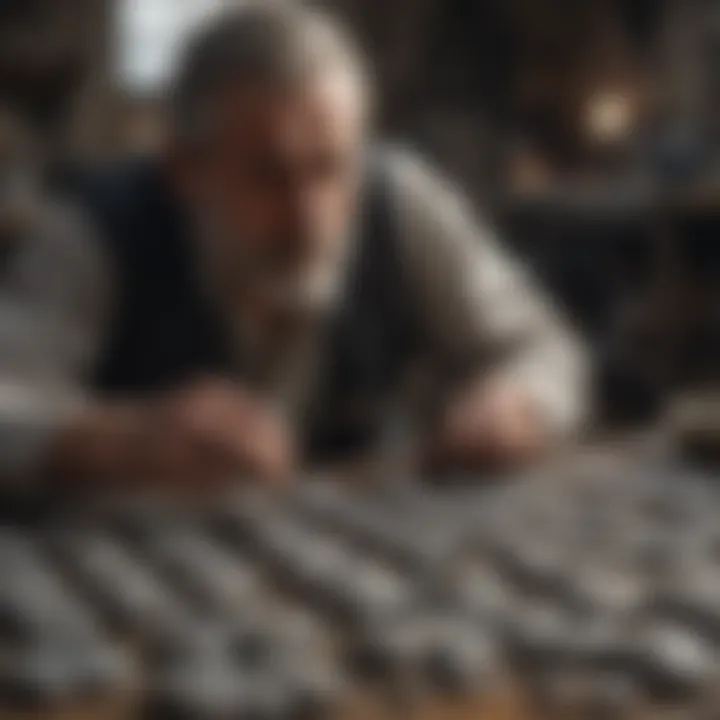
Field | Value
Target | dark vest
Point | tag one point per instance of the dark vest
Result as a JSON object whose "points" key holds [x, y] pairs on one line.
{"points": [[164, 332]]}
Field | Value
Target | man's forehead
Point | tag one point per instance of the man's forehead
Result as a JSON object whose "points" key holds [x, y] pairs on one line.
{"points": [[328, 107]]}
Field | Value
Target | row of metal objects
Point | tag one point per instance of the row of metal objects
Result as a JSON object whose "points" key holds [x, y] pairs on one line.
{"points": [[575, 587], [609, 583], [175, 620], [213, 620]]}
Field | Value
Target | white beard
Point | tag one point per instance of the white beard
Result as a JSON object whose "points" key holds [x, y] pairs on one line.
{"points": [[304, 290]]}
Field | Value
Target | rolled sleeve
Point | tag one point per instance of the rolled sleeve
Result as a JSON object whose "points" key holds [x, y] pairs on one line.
{"points": [[54, 300], [30, 418], [555, 378]]}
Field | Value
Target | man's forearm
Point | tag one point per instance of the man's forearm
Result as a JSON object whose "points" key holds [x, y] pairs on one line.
{"points": [[101, 443], [49, 437], [478, 301], [210, 432]]}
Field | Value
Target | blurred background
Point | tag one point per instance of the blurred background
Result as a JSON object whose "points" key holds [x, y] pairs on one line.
{"points": [[588, 131]]}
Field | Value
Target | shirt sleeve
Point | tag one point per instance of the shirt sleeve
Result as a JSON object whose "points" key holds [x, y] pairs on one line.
{"points": [[54, 302], [482, 310]]}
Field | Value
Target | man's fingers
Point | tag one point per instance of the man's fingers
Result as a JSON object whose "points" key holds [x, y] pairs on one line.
{"points": [[491, 427], [263, 444], [240, 430], [235, 428]]}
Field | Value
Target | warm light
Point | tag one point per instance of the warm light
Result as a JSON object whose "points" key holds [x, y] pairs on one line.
{"points": [[609, 116]]}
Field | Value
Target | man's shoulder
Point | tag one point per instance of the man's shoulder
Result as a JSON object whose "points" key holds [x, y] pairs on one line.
{"points": [[431, 211], [417, 186], [399, 164]]}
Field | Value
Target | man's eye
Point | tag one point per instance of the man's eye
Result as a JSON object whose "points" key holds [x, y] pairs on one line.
{"points": [[266, 172]]}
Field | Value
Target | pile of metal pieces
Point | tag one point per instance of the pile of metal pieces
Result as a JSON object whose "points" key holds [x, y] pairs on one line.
{"points": [[594, 595]]}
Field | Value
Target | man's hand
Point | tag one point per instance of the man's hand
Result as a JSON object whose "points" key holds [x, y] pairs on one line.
{"points": [[236, 430], [201, 436], [490, 426]]}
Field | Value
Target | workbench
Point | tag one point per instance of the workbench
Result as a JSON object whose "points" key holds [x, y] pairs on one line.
{"points": [[336, 578]]}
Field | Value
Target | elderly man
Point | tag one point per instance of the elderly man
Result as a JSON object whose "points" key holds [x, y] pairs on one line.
{"points": [[254, 296]]}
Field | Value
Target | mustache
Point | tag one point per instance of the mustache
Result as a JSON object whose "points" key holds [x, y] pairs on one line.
{"points": [[292, 269]]}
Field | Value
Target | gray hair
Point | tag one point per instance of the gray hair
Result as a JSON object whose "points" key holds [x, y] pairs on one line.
{"points": [[261, 41]]}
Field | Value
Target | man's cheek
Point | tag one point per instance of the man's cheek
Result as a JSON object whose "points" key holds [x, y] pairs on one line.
{"points": [[264, 214], [341, 210]]}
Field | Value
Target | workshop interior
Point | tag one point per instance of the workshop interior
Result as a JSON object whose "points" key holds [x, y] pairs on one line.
{"points": [[586, 587]]}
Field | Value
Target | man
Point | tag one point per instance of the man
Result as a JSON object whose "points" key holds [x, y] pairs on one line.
{"points": [[256, 296]]}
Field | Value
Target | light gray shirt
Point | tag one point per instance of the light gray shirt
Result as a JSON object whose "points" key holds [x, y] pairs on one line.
{"points": [[472, 297]]}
